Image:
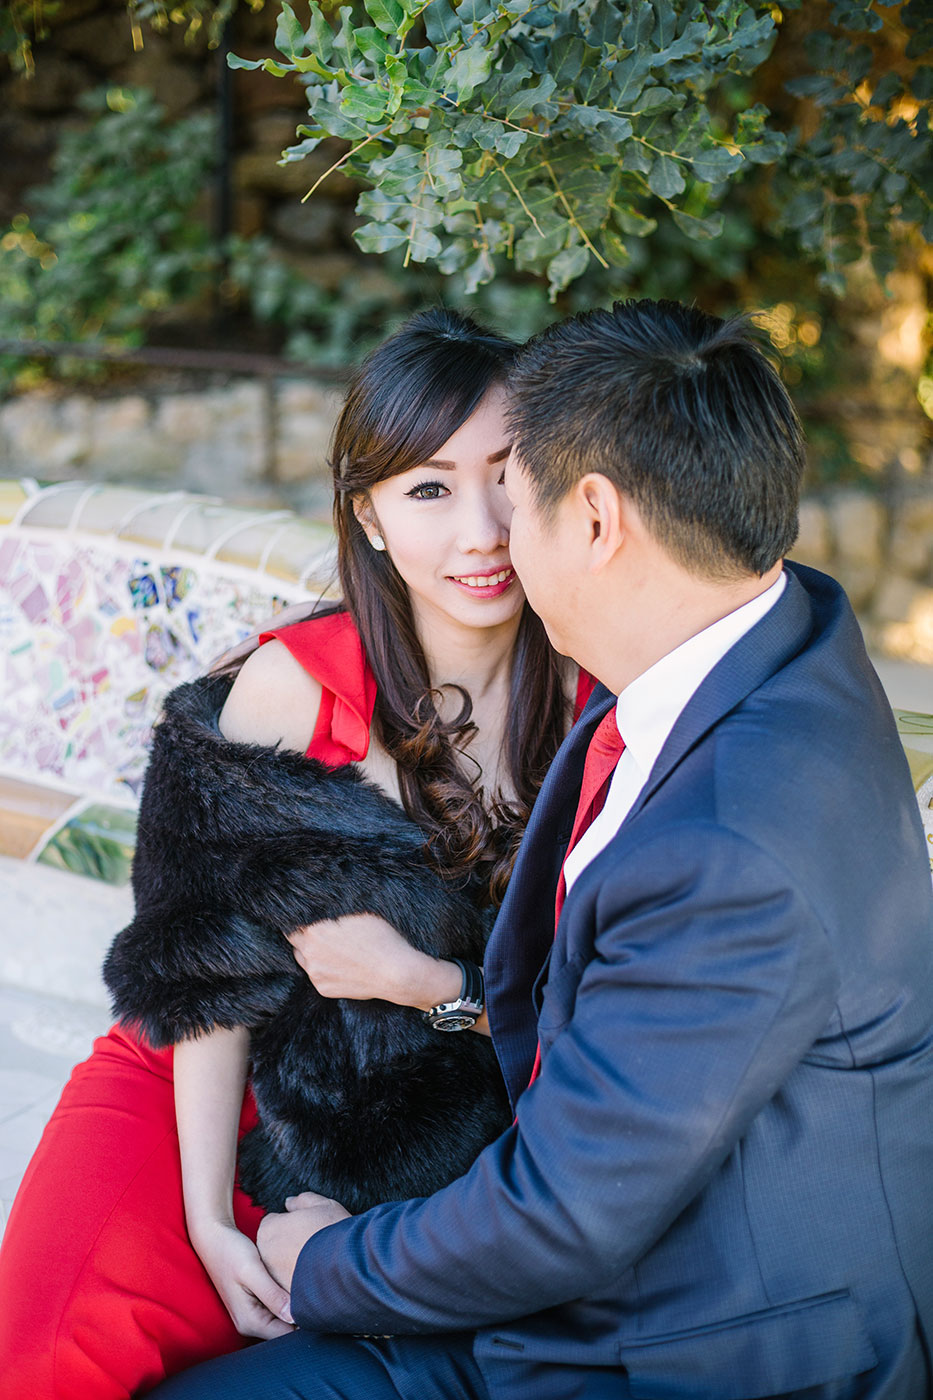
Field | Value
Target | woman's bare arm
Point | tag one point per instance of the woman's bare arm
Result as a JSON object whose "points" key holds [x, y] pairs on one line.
{"points": [[210, 1077], [273, 700]]}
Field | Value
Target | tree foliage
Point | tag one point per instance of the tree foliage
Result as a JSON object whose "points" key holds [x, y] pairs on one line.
{"points": [[555, 133]]}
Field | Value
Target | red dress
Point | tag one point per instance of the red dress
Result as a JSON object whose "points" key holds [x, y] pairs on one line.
{"points": [[101, 1294]]}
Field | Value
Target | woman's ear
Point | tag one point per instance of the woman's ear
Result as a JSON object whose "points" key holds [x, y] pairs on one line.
{"points": [[363, 510]]}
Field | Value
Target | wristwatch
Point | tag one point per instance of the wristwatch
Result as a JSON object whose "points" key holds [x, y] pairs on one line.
{"points": [[463, 1013]]}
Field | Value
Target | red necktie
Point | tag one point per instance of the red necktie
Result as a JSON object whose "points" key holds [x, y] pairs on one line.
{"points": [[602, 756]]}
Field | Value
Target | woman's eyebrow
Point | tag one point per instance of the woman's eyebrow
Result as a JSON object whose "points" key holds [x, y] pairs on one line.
{"points": [[499, 456]]}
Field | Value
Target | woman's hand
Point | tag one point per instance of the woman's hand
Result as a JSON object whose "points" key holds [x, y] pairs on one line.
{"points": [[258, 1305], [360, 956]]}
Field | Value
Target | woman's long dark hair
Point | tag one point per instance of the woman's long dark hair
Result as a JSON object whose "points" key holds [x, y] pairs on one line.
{"points": [[404, 402]]}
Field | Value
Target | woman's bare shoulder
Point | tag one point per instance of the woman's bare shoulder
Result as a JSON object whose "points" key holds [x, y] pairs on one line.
{"points": [[274, 700]]}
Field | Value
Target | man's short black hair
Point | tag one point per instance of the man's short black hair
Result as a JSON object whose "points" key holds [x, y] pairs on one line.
{"points": [[682, 412]]}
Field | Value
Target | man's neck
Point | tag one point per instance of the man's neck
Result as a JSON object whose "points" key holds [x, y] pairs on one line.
{"points": [[669, 615]]}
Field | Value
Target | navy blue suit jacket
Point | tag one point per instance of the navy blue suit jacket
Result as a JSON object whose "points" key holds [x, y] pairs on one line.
{"points": [[720, 1185]]}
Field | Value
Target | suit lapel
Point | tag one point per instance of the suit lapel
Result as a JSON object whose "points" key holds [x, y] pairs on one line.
{"points": [[763, 651], [760, 654], [523, 935]]}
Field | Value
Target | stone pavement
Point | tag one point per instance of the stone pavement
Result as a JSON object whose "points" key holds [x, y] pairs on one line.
{"points": [[43, 1035]]}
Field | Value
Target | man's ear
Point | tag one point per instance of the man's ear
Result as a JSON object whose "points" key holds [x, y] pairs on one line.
{"points": [[605, 512]]}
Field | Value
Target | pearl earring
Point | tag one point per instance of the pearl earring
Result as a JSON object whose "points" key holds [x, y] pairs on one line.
{"points": [[377, 542]]}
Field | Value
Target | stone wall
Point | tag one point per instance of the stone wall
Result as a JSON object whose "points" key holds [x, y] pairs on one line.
{"points": [[880, 548], [252, 442], [265, 443]]}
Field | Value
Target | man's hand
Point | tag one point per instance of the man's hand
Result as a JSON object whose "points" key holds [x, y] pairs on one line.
{"points": [[258, 1306], [360, 956], [282, 1237]]}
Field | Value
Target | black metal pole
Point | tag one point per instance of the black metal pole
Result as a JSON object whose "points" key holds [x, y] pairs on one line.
{"points": [[223, 178]]}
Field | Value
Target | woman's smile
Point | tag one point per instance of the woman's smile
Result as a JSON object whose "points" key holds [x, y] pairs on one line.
{"points": [[486, 585]]}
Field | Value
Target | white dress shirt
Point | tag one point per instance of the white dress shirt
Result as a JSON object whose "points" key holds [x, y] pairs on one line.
{"points": [[647, 711]]}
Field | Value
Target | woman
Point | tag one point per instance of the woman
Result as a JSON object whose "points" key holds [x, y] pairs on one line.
{"points": [[438, 684]]}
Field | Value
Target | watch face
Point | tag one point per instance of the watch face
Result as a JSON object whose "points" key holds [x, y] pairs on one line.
{"points": [[454, 1023]]}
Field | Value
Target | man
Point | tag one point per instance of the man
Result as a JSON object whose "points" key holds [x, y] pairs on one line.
{"points": [[717, 1184]]}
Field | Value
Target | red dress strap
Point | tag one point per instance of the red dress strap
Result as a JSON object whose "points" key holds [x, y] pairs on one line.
{"points": [[586, 684], [329, 648]]}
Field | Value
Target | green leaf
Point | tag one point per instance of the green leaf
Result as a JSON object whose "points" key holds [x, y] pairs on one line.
{"points": [[631, 221], [381, 208], [563, 269], [922, 84], [700, 229], [636, 31], [806, 207], [440, 23], [470, 68], [379, 238], [567, 55], [653, 99], [666, 26], [606, 134], [345, 49], [628, 80], [310, 63], [251, 64], [320, 36], [509, 143], [368, 103], [423, 244], [665, 178], [278, 70], [527, 98], [690, 42], [715, 164], [373, 44], [593, 82], [614, 248], [853, 15], [289, 35], [442, 165], [478, 272], [605, 24], [386, 15]]}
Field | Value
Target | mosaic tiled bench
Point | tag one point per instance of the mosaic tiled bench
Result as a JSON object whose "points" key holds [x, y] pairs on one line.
{"points": [[109, 596]]}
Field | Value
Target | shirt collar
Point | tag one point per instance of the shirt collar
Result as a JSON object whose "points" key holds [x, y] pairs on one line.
{"points": [[649, 706]]}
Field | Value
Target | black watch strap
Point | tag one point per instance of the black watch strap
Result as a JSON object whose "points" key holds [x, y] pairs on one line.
{"points": [[472, 988], [463, 1013]]}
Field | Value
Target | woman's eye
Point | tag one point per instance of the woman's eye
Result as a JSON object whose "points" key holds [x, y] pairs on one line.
{"points": [[501, 481], [426, 491]]}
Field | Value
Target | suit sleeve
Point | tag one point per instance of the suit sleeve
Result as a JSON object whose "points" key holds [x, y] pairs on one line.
{"points": [[694, 1006]]}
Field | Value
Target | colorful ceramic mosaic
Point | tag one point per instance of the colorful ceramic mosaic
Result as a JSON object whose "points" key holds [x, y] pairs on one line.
{"points": [[90, 643], [95, 631], [916, 733]]}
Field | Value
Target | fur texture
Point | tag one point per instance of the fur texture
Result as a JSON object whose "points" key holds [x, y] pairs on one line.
{"points": [[239, 844]]}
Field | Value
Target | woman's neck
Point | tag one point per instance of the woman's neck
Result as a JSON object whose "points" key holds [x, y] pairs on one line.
{"points": [[479, 659]]}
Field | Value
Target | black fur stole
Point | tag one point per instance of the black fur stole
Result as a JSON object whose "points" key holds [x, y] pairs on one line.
{"points": [[237, 845]]}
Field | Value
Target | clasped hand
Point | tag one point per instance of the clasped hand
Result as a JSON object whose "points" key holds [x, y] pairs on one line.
{"points": [[281, 1238]]}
